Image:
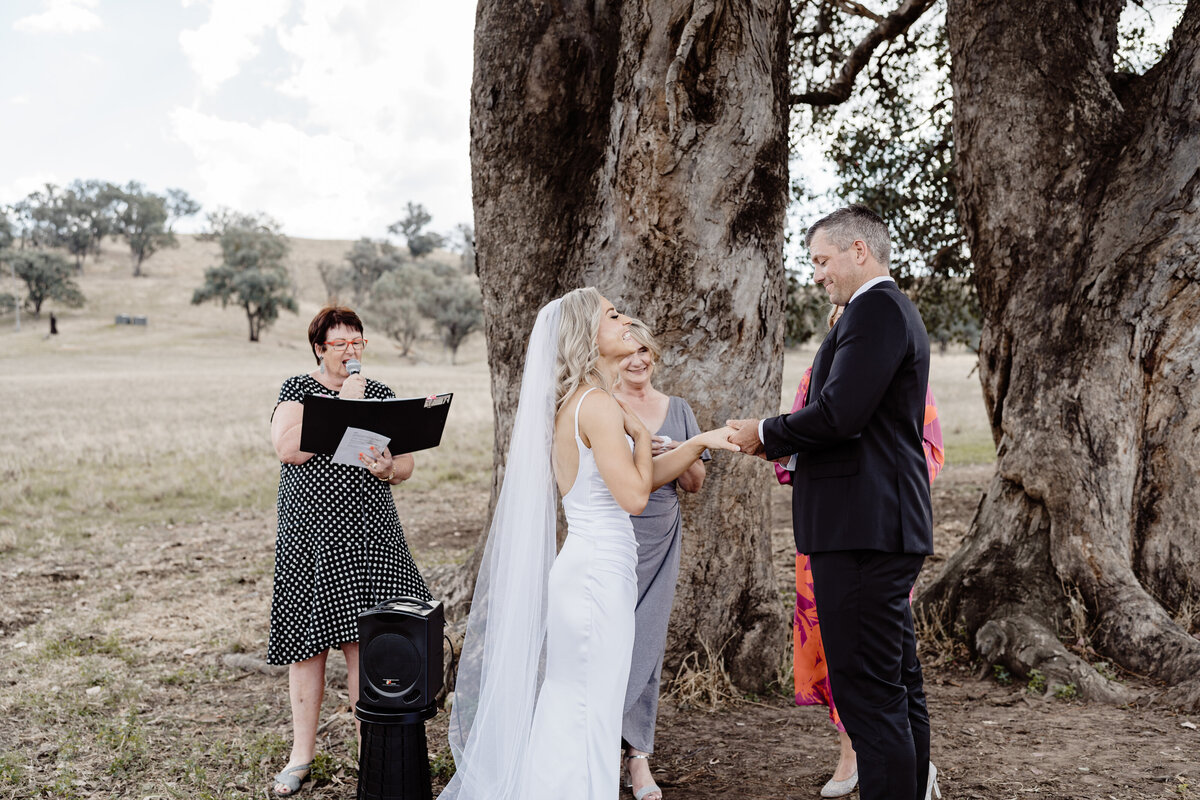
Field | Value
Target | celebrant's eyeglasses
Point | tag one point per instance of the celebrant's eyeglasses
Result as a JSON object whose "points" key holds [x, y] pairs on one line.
{"points": [[342, 344]]}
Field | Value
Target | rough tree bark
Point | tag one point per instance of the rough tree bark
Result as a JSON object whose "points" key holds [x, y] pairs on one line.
{"points": [[1080, 195], [642, 148]]}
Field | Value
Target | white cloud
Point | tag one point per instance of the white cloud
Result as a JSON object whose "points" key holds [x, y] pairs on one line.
{"points": [[62, 16], [312, 183], [230, 38], [385, 89]]}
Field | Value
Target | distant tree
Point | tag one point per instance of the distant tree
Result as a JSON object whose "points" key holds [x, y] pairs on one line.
{"points": [[336, 278], [806, 314], [7, 229], [466, 235], [252, 272], [391, 307], [61, 219], [93, 202], [455, 306], [8, 303], [412, 228], [180, 205], [47, 276], [367, 262], [142, 220], [23, 226]]}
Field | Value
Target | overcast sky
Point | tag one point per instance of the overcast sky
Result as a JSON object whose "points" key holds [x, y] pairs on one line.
{"points": [[329, 116]]}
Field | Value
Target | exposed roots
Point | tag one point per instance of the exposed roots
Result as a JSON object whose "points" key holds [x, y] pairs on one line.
{"points": [[1022, 644]]}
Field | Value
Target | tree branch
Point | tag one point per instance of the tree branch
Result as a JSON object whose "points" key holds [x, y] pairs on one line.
{"points": [[895, 24], [850, 7]]}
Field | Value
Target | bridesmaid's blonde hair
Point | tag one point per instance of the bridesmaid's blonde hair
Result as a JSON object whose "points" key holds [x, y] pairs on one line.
{"points": [[578, 354], [641, 333]]}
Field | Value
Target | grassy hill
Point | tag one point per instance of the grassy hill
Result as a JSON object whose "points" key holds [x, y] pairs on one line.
{"points": [[117, 426]]}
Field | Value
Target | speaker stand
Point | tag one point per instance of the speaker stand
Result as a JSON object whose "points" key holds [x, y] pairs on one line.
{"points": [[394, 761]]}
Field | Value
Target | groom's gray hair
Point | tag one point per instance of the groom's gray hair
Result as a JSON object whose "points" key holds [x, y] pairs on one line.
{"points": [[855, 223]]}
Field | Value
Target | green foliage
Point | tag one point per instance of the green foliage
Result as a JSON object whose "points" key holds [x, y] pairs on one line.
{"points": [[441, 766], [1002, 676], [892, 149], [807, 312], [466, 248], [125, 739], [392, 308], [455, 305], [142, 220], [367, 263], [1036, 683], [252, 273], [12, 770], [412, 227], [7, 229], [75, 646], [1066, 692], [145, 219], [47, 276]]}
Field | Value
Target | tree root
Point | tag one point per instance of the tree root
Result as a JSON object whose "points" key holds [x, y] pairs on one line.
{"points": [[1185, 696], [1022, 644]]}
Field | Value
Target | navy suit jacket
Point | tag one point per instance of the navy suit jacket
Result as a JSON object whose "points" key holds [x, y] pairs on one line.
{"points": [[861, 482]]}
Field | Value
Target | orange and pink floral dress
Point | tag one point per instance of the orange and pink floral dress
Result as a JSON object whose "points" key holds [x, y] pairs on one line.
{"points": [[811, 671]]}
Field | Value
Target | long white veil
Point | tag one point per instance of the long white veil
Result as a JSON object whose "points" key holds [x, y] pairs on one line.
{"points": [[501, 668]]}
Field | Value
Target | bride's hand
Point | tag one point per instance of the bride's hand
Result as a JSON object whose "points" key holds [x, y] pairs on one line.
{"points": [[717, 439], [633, 423]]}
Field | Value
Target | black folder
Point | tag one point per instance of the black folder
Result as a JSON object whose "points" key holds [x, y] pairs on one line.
{"points": [[412, 423]]}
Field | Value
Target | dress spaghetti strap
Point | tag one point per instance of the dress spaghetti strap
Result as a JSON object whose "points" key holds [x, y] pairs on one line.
{"points": [[577, 406]]}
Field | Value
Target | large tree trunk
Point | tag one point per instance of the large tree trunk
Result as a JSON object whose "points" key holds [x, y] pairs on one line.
{"points": [[641, 148], [1080, 194]]}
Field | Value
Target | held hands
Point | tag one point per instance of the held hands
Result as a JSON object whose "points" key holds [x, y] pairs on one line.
{"points": [[717, 439], [745, 436]]}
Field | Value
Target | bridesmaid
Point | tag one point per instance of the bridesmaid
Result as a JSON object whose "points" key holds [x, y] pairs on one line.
{"points": [[810, 670], [658, 530]]}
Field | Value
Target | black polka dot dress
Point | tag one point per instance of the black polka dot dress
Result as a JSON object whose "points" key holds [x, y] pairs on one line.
{"points": [[340, 548]]}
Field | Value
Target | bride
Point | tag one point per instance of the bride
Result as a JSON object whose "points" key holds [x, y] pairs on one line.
{"points": [[538, 699]]}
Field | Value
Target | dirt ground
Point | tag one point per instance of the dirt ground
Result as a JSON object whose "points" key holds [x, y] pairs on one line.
{"points": [[130, 667]]}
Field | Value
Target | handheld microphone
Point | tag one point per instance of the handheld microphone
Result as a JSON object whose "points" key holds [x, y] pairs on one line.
{"points": [[353, 366]]}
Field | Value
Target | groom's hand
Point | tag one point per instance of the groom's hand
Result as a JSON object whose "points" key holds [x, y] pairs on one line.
{"points": [[745, 436]]}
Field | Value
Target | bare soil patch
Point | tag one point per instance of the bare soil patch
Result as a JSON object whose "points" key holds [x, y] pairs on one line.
{"points": [[130, 666]]}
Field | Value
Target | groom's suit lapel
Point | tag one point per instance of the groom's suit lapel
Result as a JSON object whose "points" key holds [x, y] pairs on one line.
{"points": [[821, 363]]}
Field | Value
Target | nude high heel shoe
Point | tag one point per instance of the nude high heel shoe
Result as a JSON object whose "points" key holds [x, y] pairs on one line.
{"points": [[931, 786]]}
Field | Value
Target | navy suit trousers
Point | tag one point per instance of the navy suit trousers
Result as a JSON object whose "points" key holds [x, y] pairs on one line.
{"points": [[871, 649]]}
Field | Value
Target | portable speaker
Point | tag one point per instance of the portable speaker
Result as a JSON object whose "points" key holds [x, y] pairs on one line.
{"points": [[400, 654]]}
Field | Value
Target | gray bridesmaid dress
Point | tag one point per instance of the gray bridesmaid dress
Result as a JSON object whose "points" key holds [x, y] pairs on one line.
{"points": [[659, 534]]}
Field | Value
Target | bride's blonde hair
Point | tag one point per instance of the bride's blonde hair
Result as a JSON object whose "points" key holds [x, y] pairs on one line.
{"points": [[578, 354]]}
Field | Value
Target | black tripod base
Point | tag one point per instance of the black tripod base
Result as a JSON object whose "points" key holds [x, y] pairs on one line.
{"points": [[394, 762]]}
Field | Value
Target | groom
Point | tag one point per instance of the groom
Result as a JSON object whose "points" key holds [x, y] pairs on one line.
{"points": [[860, 502]]}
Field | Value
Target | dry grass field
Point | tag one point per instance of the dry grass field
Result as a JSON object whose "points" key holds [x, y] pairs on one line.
{"points": [[137, 488]]}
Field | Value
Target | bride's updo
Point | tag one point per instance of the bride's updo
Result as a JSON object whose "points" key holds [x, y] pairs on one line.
{"points": [[578, 354]]}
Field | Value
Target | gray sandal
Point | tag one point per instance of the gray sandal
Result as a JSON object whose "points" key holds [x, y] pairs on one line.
{"points": [[288, 777], [650, 788]]}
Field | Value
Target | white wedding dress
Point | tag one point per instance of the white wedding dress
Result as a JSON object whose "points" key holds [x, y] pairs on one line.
{"points": [[575, 741], [545, 659]]}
